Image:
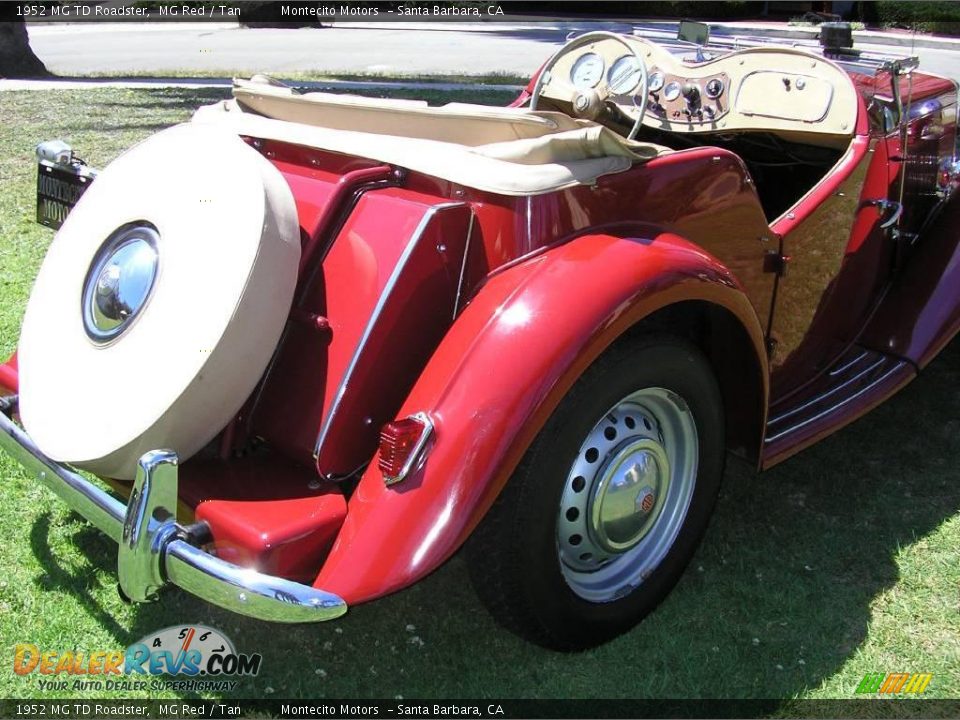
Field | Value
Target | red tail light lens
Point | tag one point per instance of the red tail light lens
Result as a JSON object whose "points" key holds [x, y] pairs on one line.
{"points": [[401, 444]]}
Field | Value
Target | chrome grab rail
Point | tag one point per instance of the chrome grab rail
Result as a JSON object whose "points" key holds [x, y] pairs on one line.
{"points": [[153, 548]]}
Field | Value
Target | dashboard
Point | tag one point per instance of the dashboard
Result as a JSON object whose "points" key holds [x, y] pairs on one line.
{"points": [[770, 88], [693, 100]]}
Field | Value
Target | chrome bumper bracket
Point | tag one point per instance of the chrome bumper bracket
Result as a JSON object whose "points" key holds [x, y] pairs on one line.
{"points": [[150, 523], [154, 550]]}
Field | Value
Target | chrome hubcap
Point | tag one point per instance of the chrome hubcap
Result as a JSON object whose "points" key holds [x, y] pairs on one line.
{"points": [[119, 281], [627, 494], [625, 503]]}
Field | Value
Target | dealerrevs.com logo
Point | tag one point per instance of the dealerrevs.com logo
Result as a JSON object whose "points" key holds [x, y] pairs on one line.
{"points": [[894, 683], [181, 657]]}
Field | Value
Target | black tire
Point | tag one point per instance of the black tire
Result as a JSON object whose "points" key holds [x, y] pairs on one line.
{"points": [[513, 555]]}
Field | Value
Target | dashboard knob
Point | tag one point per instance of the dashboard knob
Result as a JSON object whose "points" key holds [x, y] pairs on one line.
{"points": [[587, 104], [691, 91]]}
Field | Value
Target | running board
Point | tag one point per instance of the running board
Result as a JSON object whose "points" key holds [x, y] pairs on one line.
{"points": [[856, 383]]}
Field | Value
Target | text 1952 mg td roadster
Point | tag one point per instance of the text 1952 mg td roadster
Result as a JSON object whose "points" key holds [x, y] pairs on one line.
{"points": [[336, 338]]}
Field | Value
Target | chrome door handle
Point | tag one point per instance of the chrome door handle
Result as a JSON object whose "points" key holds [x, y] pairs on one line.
{"points": [[889, 208]]}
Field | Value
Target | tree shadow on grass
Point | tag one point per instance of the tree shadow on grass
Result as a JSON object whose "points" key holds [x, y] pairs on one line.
{"points": [[137, 113], [775, 602], [136, 127], [171, 98]]}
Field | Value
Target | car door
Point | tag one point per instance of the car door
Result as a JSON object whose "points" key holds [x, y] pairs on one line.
{"points": [[834, 262], [842, 244]]}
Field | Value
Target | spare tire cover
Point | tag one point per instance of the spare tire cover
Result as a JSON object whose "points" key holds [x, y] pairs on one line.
{"points": [[226, 240]]}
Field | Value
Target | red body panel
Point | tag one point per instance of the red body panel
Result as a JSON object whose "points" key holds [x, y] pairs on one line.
{"points": [[414, 310], [335, 385], [305, 379], [496, 377], [9, 376], [288, 538], [263, 511]]}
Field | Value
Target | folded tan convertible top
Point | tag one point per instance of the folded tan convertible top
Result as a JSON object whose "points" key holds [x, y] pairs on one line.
{"points": [[509, 151]]}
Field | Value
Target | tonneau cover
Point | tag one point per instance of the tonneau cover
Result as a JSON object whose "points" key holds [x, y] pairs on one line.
{"points": [[508, 151]]}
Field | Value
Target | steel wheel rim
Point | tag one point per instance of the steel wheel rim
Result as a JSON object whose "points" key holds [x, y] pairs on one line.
{"points": [[643, 451]]}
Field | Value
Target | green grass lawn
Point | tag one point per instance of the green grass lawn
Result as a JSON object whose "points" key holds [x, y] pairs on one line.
{"points": [[842, 561]]}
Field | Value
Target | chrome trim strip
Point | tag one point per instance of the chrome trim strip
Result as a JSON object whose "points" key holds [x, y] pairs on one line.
{"points": [[463, 265], [374, 317], [833, 390], [529, 218], [246, 591], [155, 551], [847, 365], [416, 454], [839, 405]]}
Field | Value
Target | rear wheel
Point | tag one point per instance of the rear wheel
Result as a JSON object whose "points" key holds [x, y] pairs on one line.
{"points": [[610, 501]]}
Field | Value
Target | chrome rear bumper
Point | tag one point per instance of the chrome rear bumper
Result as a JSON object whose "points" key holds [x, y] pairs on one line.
{"points": [[154, 549]]}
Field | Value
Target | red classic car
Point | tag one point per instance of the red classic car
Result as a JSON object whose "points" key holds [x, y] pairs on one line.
{"points": [[333, 338]]}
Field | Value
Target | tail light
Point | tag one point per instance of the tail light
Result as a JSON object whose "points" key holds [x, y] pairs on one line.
{"points": [[402, 443]]}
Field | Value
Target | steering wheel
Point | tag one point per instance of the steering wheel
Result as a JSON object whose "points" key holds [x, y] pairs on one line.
{"points": [[589, 102]]}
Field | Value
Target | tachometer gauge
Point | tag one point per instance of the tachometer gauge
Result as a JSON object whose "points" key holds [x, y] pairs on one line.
{"points": [[587, 71], [656, 81], [624, 75], [671, 91]]}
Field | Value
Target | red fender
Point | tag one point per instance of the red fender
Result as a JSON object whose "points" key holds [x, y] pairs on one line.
{"points": [[497, 376], [9, 376]]}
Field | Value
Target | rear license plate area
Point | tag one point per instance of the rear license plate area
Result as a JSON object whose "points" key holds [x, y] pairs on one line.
{"points": [[58, 190]]}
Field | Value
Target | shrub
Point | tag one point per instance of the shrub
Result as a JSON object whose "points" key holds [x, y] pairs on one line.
{"points": [[942, 17]]}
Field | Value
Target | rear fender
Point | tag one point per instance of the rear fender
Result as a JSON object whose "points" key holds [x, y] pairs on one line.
{"points": [[9, 376], [498, 374]]}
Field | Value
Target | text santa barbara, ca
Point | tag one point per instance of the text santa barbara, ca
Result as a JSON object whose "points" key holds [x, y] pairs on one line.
{"points": [[466, 11]]}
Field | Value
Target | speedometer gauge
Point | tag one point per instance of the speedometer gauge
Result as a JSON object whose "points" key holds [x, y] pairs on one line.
{"points": [[587, 71], [624, 75]]}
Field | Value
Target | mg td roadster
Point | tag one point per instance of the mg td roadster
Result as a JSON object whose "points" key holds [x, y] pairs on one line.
{"points": [[338, 338]]}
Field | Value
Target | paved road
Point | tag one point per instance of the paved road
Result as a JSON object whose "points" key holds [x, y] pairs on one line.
{"points": [[389, 48], [385, 48]]}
